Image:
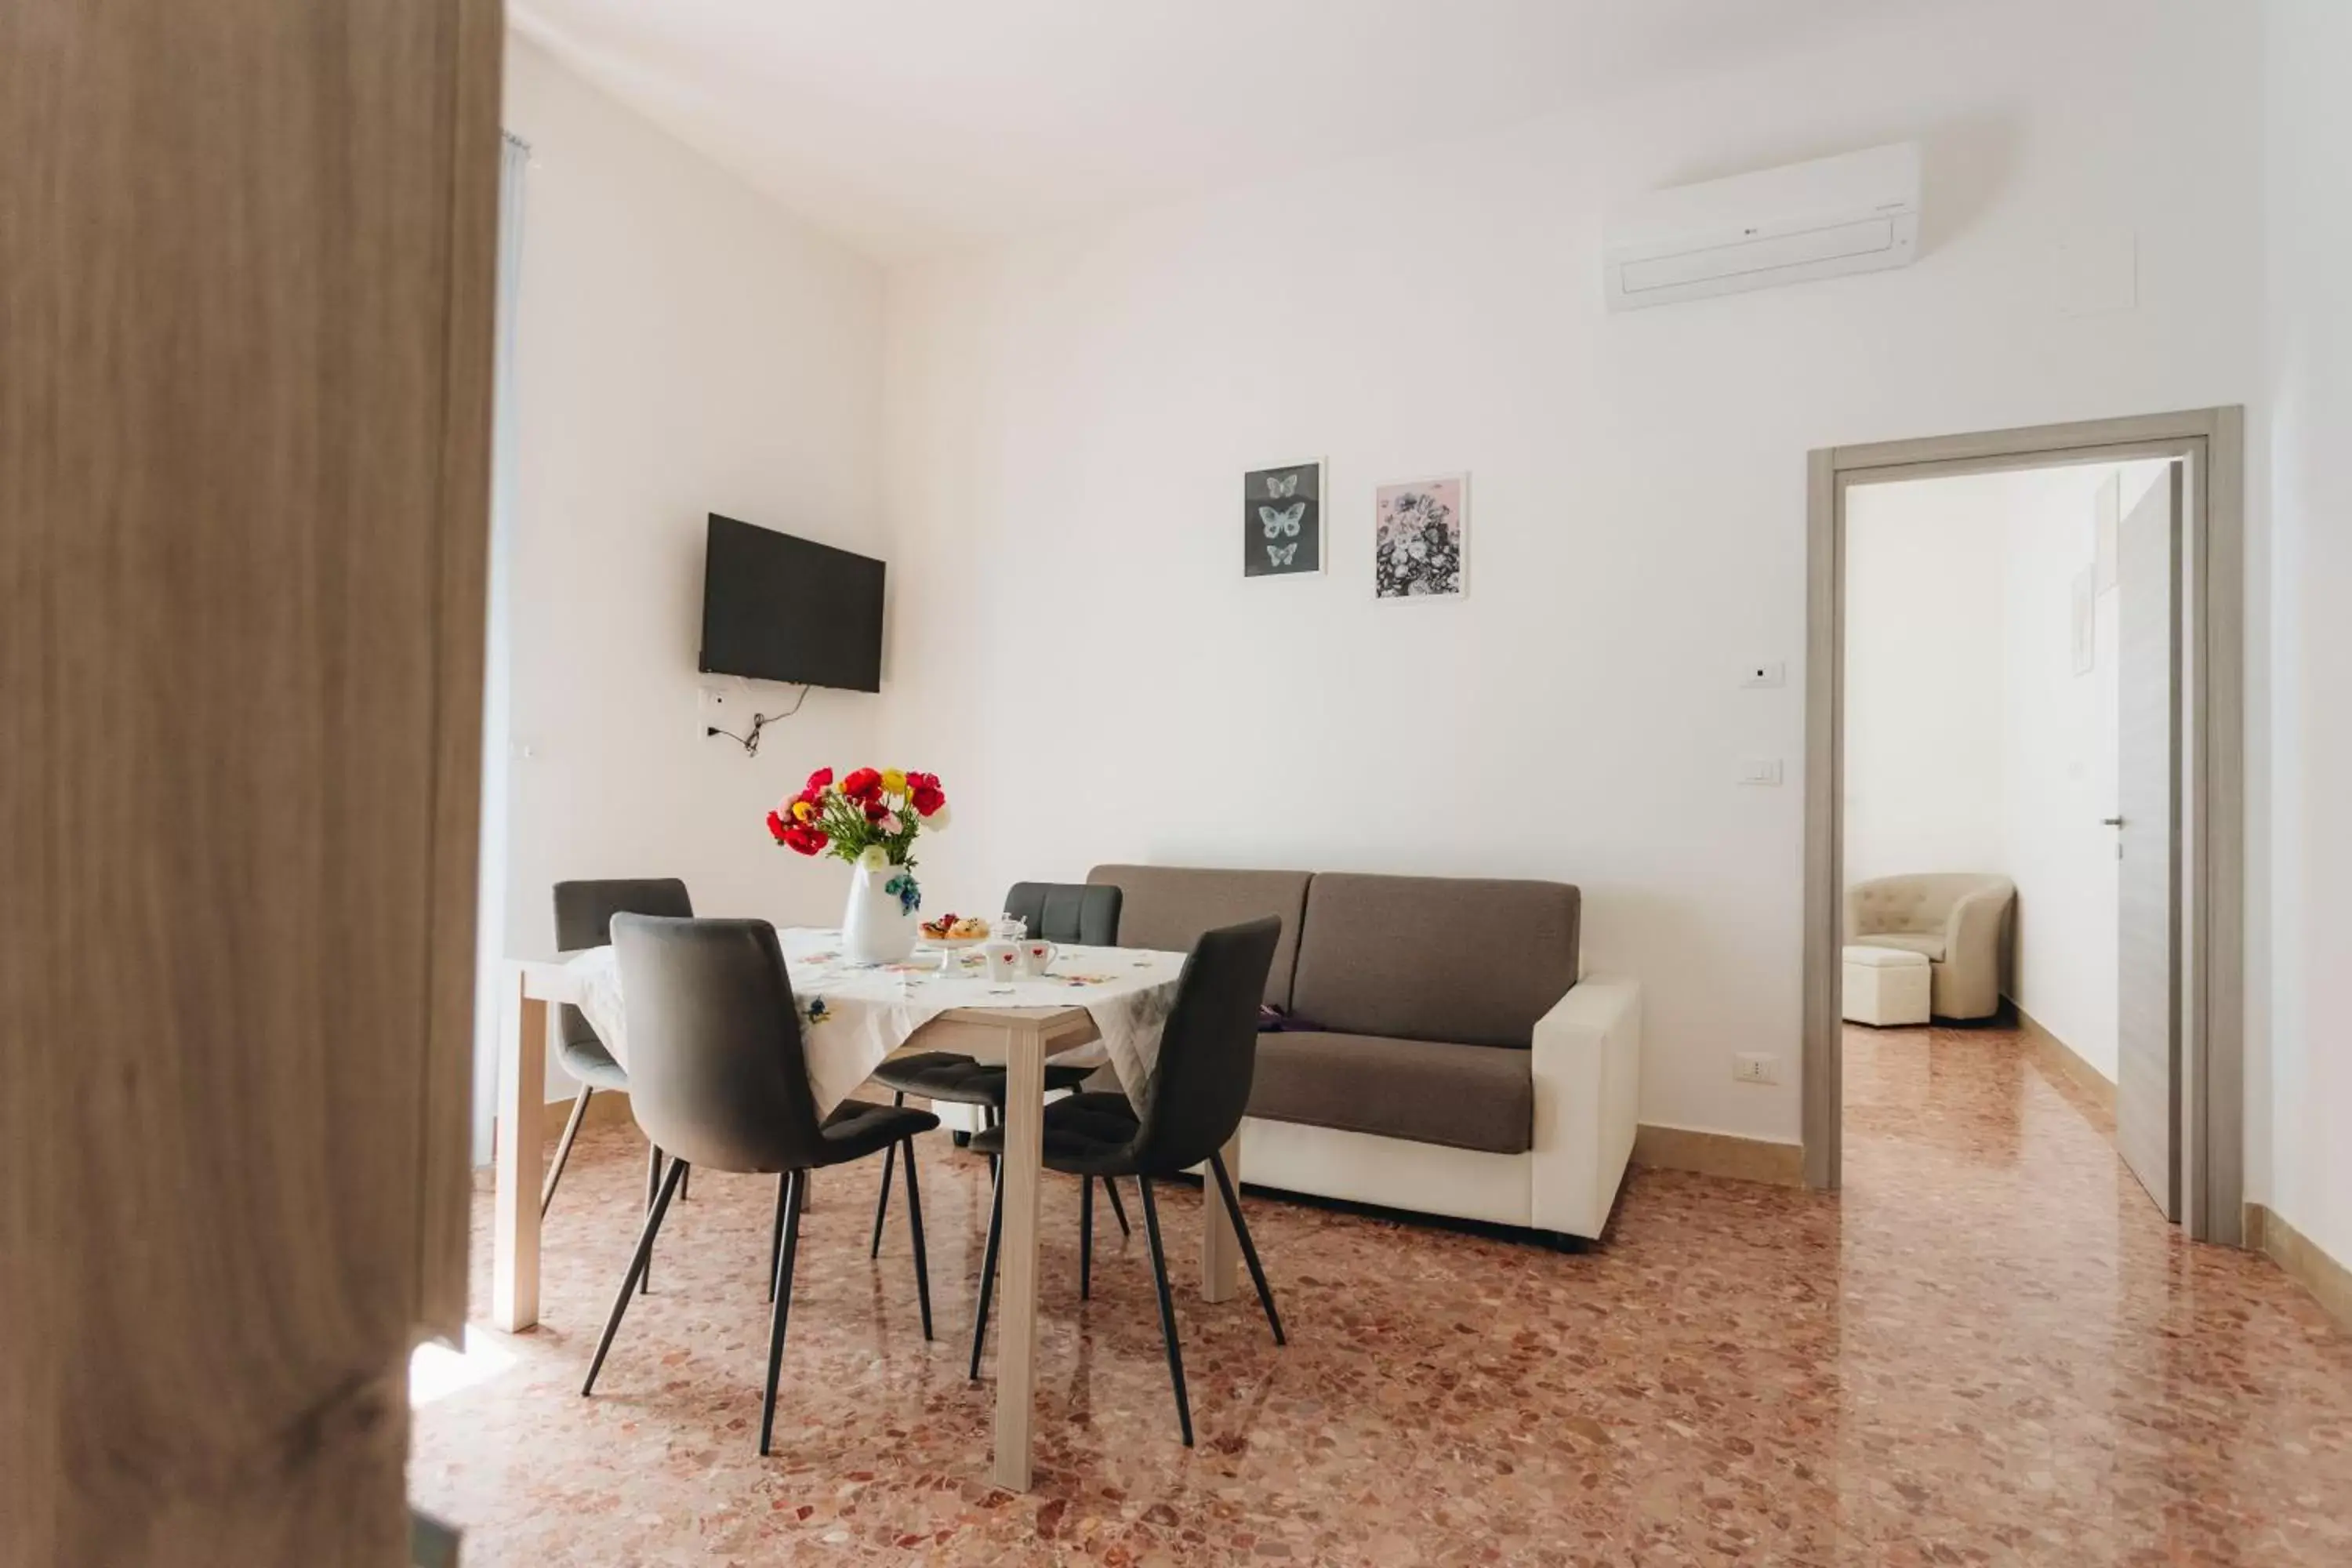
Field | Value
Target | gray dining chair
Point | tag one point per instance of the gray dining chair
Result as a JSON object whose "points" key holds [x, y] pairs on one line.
{"points": [[1076, 913], [718, 1077], [583, 919], [1200, 1089], [1071, 912]]}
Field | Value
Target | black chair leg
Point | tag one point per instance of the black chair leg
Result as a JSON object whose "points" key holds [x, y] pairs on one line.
{"points": [[783, 1291], [1086, 1238], [652, 1189], [882, 1198], [1249, 1248], [1118, 1209], [914, 1228], [882, 1202], [1166, 1308], [776, 1231], [685, 1187], [637, 1262], [564, 1150], [987, 1276]]}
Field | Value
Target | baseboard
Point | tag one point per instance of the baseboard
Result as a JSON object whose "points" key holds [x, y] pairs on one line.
{"points": [[1719, 1155], [2301, 1261], [2063, 1058], [1660, 1148], [606, 1108]]}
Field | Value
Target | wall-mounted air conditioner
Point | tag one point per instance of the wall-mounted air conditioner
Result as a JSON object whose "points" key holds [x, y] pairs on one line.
{"points": [[1856, 213]]}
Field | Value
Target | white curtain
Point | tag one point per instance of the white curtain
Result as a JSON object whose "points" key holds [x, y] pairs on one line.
{"points": [[491, 911]]}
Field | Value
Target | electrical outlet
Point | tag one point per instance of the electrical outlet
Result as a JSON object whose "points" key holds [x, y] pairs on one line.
{"points": [[714, 708], [1752, 1067], [1764, 672]]}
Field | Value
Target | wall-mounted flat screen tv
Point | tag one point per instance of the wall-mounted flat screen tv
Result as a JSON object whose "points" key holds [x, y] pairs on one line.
{"points": [[778, 608]]}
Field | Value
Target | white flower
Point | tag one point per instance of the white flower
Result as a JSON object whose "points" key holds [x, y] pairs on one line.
{"points": [[874, 857], [938, 821]]}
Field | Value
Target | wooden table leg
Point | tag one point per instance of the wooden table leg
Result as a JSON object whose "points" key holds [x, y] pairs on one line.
{"points": [[1016, 1331], [523, 1024], [1221, 1247]]}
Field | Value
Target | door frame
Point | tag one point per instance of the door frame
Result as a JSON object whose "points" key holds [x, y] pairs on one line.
{"points": [[2211, 977]]}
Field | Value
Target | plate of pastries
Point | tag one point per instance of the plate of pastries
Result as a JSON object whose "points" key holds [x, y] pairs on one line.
{"points": [[952, 929]]}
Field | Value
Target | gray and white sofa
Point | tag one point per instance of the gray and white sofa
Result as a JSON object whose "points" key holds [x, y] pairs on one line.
{"points": [[1439, 1049]]}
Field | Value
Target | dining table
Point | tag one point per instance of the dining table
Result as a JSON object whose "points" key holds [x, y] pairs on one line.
{"points": [[854, 1017]]}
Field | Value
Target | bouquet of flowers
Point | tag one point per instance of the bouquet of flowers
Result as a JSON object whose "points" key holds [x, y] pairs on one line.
{"points": [[869, 818]]}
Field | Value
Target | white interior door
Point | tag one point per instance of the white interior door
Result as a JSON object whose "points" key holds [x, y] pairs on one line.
{"points": [[2147, 1086]]}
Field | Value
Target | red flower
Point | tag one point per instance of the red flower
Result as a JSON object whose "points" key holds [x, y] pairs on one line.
{"points": [[862, 785], [927, 797], [777, 826], [800, 836], [876, 811], [817, 780]]}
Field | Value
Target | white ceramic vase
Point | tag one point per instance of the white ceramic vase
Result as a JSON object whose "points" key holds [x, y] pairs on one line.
{"points": [[879, 926]]}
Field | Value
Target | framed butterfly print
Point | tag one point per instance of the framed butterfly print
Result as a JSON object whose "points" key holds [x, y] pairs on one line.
{"points": [[1282, 520], [1420, 539]]}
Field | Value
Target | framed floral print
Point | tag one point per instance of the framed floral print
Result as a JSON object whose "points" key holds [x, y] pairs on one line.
{"points": [[1421, 537], [1282, 520]]}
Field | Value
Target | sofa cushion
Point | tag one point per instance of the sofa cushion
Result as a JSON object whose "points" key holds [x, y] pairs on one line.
{"points": [[1434, 958], [1166, 908], [1929, 947], [1464, 1097]]}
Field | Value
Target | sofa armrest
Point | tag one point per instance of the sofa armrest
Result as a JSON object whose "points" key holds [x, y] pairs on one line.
{"points": [[1588, 1101], [1973, 938]]}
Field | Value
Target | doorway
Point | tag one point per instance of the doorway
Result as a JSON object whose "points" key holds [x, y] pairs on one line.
{"points": [[2177, 1022]]}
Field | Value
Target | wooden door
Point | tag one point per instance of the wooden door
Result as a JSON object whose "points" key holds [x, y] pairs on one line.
{"points": [[247, 272], [2148, 1078]]}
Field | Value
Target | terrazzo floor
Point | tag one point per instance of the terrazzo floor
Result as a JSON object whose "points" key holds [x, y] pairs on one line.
{"points": [[1989, 1350]]}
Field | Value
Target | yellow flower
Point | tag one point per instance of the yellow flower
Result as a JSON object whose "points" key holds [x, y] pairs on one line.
{"points": [[894, 782], [803, 810]]}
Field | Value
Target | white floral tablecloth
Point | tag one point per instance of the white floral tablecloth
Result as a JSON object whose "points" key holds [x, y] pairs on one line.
{"points": [[853, 1015]]}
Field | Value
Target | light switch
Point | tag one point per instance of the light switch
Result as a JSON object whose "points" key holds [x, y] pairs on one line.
{"points": [[1759, 770]]}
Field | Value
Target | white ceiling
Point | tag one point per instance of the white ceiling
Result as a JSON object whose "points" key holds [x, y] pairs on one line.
{"points": [[908, 126]]}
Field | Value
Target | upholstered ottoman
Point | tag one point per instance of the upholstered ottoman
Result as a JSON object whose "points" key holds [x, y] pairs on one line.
{"points": [[1886, 985]]}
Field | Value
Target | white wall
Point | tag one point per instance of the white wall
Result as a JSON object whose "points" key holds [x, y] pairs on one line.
{"points": [[1972, 743], [685, 347], [1069, 418], [1924, 738], [2300, 941]]}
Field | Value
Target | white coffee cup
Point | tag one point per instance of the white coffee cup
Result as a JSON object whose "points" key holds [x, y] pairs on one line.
{"points": [[1037, 958], [1003, 957]]}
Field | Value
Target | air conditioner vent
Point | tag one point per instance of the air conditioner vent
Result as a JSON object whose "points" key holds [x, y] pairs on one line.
{"points": [[1856, 213]]}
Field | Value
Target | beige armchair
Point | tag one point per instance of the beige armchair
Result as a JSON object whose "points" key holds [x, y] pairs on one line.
{"points": [[1958, 919]]}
